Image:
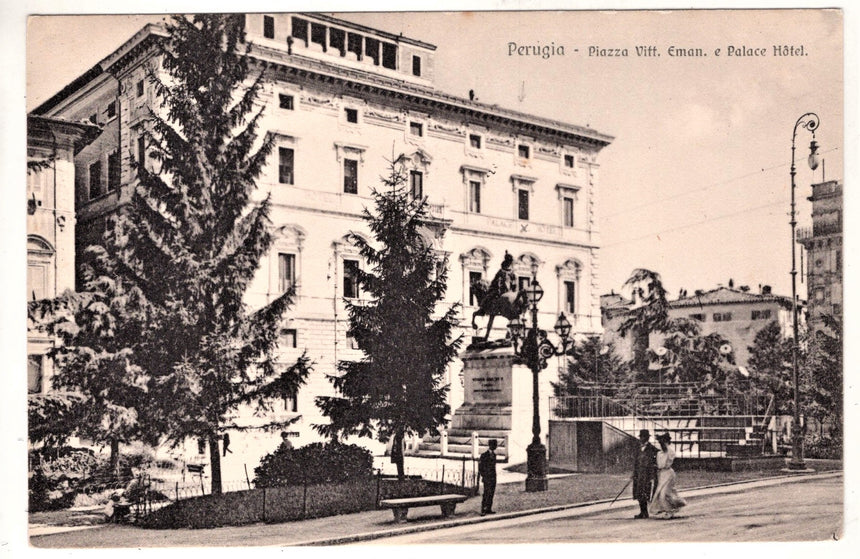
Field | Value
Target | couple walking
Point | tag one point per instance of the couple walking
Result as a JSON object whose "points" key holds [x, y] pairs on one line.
{"points": [[654, 478]]}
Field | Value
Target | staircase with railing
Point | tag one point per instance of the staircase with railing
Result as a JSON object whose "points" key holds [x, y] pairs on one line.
{"points": [[700, 427]]}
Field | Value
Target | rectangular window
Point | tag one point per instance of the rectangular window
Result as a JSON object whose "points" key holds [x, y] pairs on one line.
{"points": [[353, 44], [523, 204], [523, 282], [111, 109], [474, 277], [140, 88], [285, 101], [337, 40], [350, 176], [371, 49], [300, 29], [114, 171], [475, 197], [761, 314], [416, 129], [37, 281], [523, 151], [698, 316], [568, 161], [416, 65], [570, 297], [96, 180], [291, 403], [475, 141], [722, 316], [568, 211], [288, 338], [286, 167], [389, 56], [351, 115], [286, 272], [141, 149], [350, 279], [416, 185], [34, 373], [268, 27], [318, 35]]}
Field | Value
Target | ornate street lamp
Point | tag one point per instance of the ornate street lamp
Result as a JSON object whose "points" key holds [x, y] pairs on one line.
{"points": [[810, 122], [534, 349]]}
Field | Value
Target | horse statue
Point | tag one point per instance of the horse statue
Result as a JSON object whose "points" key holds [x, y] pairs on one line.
{"points": [[508, 305]]}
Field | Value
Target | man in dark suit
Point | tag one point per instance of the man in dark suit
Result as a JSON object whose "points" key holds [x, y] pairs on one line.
{"points": [[644, 473], [487, 473]]}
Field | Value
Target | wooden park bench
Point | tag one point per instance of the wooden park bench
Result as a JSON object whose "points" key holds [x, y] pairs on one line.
{"points": [[401, 506]]}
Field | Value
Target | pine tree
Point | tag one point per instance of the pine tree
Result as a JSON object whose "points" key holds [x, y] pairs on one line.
{"points": [[592, 362], [397, 388], [98, 391], [192, 237]]}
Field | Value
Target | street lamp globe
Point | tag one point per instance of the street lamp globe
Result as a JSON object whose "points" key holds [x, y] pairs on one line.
{"points": [[562, 326], [534, 293], [813, 159]]}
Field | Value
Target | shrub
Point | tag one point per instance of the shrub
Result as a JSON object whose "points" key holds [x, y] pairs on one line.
{"points": [[314, 463], [815, 446]]}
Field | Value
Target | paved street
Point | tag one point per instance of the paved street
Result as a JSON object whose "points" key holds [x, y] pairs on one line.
{"points": [[809, 510]]}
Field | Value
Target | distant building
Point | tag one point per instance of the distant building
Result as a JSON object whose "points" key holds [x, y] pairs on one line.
{"points": [[823, 244], [736, 314], [52, 145], [340, 99]]}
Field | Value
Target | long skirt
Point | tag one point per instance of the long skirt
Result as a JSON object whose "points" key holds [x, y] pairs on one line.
{"points": [[666, 498]]}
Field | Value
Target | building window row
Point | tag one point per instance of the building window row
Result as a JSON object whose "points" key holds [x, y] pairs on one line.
{"points": [[761, 314], [382, 53]]}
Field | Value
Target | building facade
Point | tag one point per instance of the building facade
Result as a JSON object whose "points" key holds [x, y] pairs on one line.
{"points": [[823, 245], [735, 314], [341, 100], [52, 145]]}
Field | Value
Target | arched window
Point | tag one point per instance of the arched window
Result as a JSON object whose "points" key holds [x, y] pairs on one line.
{"points": [[40, 269]]}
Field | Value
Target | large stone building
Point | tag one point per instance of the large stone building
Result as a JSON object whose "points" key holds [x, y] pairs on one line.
{"points": [[341, 99], [823, 245], [52, 145]]}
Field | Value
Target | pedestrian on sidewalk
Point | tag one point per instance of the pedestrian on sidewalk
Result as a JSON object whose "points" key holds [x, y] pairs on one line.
{"points": [[666, 501], [644, 473], [487, 473]]}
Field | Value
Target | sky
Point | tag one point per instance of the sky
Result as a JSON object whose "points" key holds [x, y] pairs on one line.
{"points": [[695, 185]]}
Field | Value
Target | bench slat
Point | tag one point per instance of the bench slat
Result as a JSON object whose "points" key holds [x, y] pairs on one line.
{"points": [[423, 501]]}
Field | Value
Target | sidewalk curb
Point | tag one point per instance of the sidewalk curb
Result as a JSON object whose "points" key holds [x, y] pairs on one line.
{"points": [[368, 536]]}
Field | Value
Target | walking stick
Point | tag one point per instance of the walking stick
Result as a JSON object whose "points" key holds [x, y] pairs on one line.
{"points": [[629, 481]]}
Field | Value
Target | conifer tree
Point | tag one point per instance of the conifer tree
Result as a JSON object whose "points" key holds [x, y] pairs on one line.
{"points": [[192, 237], [592, 362], [98, 391], [398, 388]]}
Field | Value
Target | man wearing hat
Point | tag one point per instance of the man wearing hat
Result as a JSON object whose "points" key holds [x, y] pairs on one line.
{"points": [[644, 473]]}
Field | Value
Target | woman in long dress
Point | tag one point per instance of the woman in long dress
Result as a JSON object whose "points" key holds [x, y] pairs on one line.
{"points": [[666, 500]]}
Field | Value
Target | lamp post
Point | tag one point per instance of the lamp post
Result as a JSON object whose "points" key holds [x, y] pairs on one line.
{"points": [[810, 122], [534, 350]]}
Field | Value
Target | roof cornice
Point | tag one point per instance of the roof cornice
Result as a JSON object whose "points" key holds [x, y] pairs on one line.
{"points": [[425, 98]]}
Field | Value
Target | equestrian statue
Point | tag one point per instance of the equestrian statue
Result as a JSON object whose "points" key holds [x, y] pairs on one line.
{"points": [[499, 297]]}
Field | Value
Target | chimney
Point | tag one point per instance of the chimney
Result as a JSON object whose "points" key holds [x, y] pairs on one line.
{"points": [[765, 290]]}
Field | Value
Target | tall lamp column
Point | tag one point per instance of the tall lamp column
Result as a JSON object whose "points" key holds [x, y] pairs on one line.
{"points": [[810, 122], [533, 350]]}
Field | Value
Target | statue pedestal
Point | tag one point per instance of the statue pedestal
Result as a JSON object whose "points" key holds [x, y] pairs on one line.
{"points": [[497, 402]]}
